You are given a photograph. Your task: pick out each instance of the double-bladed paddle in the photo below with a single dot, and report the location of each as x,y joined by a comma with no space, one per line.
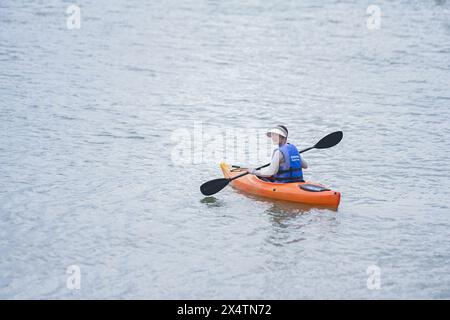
213,186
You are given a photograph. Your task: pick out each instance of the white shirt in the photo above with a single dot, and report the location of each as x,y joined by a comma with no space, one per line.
272,169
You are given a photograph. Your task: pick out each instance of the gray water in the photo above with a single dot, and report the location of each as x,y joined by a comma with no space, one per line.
88,116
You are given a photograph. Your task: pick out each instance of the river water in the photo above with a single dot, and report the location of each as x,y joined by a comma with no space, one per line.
94,204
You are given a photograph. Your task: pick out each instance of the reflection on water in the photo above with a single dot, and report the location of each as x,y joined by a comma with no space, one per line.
283,213
292,224
212,202
293,208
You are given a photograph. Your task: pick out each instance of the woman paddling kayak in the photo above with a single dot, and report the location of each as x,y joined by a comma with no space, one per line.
298,191
286,164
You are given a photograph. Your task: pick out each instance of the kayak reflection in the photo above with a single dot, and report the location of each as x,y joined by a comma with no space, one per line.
293,223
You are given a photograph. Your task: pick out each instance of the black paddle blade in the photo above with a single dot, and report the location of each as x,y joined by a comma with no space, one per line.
330,140
211,187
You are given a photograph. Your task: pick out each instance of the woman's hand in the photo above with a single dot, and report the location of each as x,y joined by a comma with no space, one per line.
304,164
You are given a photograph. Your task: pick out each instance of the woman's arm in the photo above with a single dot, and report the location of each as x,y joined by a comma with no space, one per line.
304,164
271,169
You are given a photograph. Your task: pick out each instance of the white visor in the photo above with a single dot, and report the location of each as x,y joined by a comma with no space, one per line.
277,130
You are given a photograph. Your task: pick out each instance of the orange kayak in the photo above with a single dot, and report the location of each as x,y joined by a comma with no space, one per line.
304,192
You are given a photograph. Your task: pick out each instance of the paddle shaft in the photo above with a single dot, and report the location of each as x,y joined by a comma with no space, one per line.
266,165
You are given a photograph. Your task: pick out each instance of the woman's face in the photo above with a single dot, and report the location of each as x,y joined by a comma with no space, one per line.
275,138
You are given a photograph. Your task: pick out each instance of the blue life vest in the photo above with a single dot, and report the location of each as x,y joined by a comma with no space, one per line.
291,169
